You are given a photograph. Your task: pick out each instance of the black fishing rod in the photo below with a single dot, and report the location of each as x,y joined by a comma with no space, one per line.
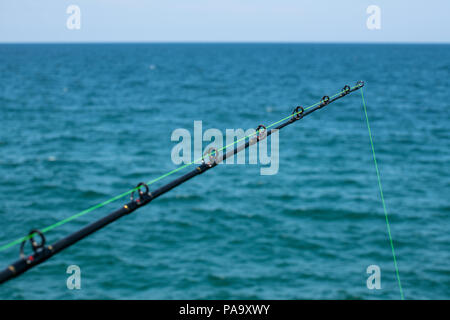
41,252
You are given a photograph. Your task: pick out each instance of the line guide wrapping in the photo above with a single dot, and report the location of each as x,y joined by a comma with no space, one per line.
42,252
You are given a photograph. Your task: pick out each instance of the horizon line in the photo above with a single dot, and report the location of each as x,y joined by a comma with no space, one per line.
230,42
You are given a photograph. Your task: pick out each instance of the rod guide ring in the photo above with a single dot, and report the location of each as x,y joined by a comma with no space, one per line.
261,134
325,101
139,190
298,113
346,89
35,245
212,158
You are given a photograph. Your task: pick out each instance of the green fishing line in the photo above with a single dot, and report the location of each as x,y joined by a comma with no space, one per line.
104,203
382,197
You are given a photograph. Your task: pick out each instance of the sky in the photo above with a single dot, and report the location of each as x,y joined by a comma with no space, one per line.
225,21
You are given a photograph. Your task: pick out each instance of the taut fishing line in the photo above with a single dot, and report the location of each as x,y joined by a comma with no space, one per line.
42,252
382,196
124,194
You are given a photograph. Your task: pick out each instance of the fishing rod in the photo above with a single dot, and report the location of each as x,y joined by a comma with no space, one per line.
42,252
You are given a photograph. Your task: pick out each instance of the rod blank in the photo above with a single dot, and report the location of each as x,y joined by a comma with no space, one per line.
43,253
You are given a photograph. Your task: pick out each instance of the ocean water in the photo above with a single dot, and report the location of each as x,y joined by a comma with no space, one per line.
82,123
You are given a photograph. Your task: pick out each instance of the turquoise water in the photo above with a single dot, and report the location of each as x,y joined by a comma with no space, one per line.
83,123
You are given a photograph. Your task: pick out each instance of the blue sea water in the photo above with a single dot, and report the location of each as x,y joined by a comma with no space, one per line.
82,123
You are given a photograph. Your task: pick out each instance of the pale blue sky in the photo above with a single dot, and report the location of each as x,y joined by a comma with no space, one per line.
225,20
